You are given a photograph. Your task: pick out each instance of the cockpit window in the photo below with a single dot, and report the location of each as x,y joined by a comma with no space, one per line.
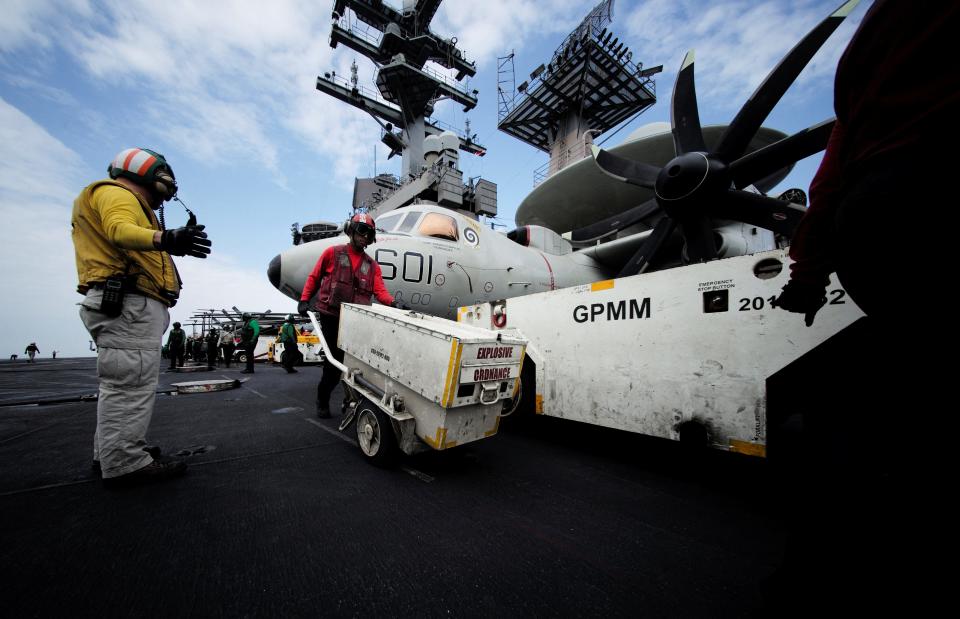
386,224
440,226
408,221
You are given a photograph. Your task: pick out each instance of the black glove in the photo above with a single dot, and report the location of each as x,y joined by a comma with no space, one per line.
397,303
802,298
186,241
302,308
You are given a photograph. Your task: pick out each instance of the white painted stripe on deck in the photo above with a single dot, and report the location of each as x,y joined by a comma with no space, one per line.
340,435
418,474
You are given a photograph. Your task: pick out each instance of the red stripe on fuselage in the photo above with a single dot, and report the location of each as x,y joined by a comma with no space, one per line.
553,281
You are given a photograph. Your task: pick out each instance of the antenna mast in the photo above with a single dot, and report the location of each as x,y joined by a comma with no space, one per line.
589,86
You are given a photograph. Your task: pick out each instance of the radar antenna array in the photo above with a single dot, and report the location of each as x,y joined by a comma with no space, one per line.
589,86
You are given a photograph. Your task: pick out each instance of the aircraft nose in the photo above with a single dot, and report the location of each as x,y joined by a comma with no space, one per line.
273,272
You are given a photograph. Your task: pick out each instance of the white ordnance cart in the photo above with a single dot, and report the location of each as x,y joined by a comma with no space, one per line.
415,382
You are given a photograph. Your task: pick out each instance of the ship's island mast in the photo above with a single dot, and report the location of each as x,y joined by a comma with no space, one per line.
400,43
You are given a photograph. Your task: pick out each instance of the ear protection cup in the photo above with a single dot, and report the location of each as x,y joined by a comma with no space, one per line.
350,225
165,185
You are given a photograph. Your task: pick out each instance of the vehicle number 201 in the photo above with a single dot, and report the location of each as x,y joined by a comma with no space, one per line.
834,297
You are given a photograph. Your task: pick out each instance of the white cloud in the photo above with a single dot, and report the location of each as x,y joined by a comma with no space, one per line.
36,165
45,91
224,82
37,185
236,79
38,182
22,18
219,282
737,44
490,29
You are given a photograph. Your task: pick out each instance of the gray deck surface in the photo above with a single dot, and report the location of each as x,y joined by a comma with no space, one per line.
280,516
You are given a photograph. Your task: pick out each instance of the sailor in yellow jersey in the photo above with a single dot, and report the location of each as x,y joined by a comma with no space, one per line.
129,282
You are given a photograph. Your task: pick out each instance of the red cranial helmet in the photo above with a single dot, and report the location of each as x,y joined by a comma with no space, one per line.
362,224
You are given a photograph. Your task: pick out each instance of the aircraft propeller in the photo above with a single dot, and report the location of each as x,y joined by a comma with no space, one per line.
698,185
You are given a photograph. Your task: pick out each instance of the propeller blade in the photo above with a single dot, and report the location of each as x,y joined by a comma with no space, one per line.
738,134
756,165
633,172
684,116
641,259
759,210
611,225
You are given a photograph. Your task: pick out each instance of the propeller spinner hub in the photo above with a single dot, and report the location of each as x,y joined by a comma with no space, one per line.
683,177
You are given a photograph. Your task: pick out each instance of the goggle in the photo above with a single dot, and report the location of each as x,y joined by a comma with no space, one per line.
363,229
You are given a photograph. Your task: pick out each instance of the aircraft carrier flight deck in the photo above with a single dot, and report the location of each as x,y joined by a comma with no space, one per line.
279,514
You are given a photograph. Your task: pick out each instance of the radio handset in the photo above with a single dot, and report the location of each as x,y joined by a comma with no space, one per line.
112,302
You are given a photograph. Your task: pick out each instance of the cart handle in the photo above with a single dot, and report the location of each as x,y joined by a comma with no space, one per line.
493,389
323,343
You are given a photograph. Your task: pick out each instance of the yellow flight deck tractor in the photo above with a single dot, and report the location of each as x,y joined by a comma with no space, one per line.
308,347
415,382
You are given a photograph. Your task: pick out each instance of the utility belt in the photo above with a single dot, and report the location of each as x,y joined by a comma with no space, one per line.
114,289
127,285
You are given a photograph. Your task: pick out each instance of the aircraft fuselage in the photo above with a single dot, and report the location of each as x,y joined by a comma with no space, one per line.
437,275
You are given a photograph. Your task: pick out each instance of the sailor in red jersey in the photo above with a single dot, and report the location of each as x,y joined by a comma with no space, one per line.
343,274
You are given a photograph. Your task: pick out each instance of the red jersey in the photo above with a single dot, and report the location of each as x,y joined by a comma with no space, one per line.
325,265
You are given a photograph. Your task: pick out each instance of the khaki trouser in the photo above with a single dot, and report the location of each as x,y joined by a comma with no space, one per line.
128,365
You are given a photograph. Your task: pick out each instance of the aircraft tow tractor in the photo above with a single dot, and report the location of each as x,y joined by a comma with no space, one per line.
693,354
415,382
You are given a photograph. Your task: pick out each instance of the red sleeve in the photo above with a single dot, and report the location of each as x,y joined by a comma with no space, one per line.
812,245
379,290
319,270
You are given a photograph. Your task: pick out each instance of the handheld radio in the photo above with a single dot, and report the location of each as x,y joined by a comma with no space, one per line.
112,302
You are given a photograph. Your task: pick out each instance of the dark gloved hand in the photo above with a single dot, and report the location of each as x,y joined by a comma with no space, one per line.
397,303
186,241
802,298
302,308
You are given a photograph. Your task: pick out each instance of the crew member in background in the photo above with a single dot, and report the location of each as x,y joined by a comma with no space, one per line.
196,344
227,345
176,344
31,351
129,281
343,274
249,335
213,340
288,337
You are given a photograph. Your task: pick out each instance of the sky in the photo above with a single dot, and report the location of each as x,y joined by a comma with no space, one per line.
227,92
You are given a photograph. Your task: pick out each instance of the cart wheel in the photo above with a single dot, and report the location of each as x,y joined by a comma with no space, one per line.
375,435
527,409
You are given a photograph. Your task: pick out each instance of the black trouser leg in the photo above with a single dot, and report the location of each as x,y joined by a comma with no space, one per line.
330,326
289,357
249,350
